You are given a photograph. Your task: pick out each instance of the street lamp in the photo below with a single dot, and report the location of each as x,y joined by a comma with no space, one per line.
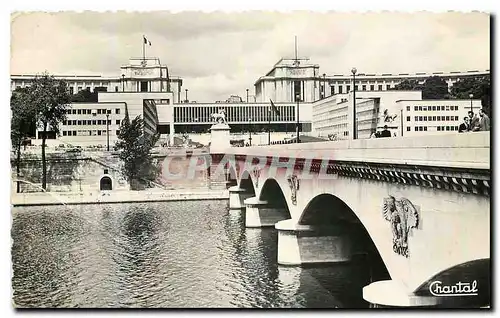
247,95
471,96
123,82
324,85
186,95
354,134
107,129
250,131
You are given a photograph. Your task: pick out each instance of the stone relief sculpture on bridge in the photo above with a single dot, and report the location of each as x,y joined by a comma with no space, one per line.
220,117
294,183
403,216
256,174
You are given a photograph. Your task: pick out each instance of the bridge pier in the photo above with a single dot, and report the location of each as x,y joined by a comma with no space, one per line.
260,214
306,244
237,197
390,293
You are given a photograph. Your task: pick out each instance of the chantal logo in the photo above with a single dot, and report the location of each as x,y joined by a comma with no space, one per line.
459,289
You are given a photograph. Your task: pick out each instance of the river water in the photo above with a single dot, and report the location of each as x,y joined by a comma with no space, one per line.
164,254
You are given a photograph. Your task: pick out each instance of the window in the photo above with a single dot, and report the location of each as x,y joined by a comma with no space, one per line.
116,88
332,90
79,112
416,128
363,87
117,132
407,118
447,117
117,121
74,122
388,87
340,89
79,122
117,111
439,118
448,108
416,108
420,118
433,108
434,118
420,108
98,121
89,122
64,132
372,87
408,108
380,87
109,111
98,133
439,128
456,118
447,128
416,118
348,88
106,171
103,111
94,122
74,132
424,108
109,121
425,118
71,89
356,87
408,128
98,111
425,128
73,111
144,86
64,122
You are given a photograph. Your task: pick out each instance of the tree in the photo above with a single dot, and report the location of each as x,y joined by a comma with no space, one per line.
435,88
22,124
135,147
479,87
50,99
408,85
85,96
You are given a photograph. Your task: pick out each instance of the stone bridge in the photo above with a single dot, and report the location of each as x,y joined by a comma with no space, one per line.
419,205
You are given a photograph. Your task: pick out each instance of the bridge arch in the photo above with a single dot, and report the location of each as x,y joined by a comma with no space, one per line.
330,214
272,193
246,183
475,272
231,177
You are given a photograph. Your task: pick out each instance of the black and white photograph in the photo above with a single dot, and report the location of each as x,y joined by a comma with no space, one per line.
250,159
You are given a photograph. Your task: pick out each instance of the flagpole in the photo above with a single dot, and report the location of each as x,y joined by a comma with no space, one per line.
297,97
269,129
143,48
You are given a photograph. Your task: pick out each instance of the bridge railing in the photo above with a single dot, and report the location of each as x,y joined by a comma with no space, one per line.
470,150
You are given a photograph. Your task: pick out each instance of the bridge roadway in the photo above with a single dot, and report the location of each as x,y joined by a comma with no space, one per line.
421,205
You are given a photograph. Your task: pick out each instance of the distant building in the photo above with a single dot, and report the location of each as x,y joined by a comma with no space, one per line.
146,88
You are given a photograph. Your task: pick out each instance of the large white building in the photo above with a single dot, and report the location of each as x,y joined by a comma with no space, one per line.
322,103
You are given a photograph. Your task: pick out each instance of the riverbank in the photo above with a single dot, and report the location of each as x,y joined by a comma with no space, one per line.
117,196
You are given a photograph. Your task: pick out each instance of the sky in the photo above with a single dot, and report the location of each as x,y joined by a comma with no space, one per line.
221,54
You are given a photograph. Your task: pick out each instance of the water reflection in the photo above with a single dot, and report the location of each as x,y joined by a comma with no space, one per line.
165,254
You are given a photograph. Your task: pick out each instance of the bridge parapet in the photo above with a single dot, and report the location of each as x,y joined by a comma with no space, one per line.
471,150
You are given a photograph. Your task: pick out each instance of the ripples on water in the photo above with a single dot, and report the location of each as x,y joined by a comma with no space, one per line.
164,254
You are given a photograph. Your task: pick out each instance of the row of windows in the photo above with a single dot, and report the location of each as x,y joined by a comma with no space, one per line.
234,114
89,122
363,88
439,128
433,118
432,108
86,132
89,111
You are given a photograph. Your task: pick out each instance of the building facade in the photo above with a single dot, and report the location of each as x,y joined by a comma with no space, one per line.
288,79
323,104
